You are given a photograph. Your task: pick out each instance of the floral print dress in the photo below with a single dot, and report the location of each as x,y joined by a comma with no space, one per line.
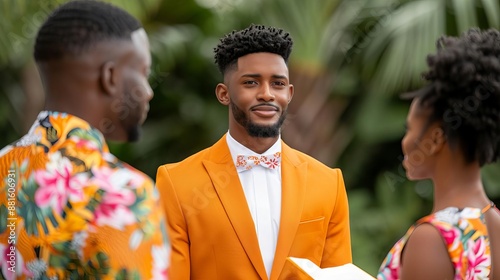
465,234
71,210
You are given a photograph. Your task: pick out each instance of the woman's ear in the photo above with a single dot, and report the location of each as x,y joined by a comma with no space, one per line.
108,79
438,139
222,94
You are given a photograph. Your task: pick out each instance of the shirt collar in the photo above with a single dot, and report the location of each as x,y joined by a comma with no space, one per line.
59,126
237,148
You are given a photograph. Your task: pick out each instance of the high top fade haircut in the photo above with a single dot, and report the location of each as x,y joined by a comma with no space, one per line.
76,26
463,93
253,39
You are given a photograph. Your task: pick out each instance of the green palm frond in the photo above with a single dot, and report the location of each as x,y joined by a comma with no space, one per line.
18,25
410,32
492,10
21,19
309,23
402,43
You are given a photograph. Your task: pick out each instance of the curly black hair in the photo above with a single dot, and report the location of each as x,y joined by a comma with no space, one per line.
255,38
463,92
77,25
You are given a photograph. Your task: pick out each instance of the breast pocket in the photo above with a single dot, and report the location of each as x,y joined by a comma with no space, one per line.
311,226
309,240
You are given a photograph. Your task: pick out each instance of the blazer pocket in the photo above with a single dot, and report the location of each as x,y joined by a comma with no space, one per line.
312,225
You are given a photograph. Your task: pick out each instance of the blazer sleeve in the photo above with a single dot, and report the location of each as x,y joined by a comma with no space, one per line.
176,226
337,249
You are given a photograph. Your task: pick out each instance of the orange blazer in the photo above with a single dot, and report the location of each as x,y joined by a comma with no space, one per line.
212,232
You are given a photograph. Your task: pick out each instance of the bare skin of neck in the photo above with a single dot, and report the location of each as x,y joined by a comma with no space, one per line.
71,92
457,183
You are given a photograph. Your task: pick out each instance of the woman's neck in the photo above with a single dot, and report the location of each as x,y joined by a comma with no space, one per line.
459,185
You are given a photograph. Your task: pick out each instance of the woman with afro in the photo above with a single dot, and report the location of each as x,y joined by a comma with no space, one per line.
453,129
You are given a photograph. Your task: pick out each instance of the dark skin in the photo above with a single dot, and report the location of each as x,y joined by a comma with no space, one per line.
259,86
457,183
94,85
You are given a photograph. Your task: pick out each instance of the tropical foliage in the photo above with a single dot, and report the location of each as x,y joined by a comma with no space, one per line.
351,60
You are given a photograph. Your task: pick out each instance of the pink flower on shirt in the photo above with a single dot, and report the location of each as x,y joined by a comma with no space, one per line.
114,208
161,255
451,237
12,262
57,184
478,260
391,271
82,143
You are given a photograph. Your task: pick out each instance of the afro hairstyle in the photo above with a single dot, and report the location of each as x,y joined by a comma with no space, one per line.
463,93
253,39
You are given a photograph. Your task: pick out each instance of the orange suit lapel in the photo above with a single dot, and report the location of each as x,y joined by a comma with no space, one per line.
293,182
220,168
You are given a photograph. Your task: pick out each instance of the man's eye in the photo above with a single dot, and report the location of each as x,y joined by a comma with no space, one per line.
250,82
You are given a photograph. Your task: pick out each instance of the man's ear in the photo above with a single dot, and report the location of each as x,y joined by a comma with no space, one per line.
222,93
108,78
291,89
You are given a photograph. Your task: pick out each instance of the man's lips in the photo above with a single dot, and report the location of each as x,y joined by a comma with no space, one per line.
265,110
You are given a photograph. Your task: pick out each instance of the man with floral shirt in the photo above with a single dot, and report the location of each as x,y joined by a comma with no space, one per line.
69,208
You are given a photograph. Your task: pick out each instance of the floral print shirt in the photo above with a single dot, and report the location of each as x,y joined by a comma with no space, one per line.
72,210
466,236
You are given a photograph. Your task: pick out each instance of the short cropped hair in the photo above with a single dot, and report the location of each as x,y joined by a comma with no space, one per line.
463,92
253,39
76,26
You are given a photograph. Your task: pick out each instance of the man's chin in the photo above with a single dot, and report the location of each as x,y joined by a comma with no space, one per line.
263,131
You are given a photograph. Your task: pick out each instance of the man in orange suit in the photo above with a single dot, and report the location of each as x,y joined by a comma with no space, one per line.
238,209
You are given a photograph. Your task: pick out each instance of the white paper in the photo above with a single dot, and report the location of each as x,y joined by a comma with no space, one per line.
344,272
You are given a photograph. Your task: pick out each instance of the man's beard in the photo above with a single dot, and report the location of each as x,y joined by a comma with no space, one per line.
131,116
256,130
134,133
131,123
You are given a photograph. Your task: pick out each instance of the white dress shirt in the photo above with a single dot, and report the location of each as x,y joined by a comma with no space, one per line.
262,187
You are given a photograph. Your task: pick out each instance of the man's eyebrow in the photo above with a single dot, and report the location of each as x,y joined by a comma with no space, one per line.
280,77
259,75
252,75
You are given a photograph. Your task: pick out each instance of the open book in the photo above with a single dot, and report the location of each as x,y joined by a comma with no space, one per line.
304,269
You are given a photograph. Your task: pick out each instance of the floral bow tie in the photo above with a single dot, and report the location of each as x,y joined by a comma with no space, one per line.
244,162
